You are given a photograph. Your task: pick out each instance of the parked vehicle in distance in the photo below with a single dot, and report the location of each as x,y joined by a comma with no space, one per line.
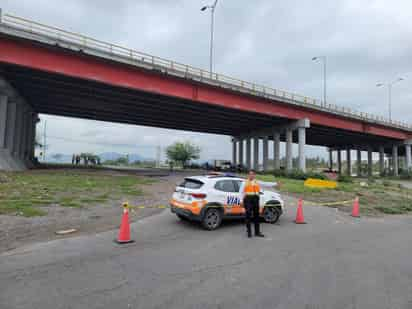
212,198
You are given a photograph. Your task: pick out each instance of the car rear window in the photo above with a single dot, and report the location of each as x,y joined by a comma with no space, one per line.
191,184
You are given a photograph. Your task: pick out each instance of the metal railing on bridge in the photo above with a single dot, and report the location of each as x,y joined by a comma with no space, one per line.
187,71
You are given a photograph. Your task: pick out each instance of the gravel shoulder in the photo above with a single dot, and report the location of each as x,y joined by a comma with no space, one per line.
16,231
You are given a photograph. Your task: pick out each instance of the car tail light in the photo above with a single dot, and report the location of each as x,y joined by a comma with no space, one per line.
198,195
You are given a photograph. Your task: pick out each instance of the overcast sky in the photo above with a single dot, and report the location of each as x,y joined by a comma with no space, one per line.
264,41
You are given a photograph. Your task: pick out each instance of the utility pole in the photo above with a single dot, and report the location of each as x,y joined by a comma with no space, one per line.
212,26
323,59
390,93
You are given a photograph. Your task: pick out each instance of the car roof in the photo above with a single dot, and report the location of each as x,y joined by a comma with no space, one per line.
208,178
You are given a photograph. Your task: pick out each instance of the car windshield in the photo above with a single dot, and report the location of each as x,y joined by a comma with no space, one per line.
189,183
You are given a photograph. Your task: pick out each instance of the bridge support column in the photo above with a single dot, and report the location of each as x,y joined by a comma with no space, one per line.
408,157
339,159
248,153
4,160
381,160
19,130
289,158
370,163
276,150
348,162
234,151
358,162
10,137
241,144
256,153
265,153
302,143
395,162
330,159
24,133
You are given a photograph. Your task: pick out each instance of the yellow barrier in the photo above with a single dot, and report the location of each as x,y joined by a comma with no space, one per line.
318,183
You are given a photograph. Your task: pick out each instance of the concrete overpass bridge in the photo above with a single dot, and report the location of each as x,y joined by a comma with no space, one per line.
48,70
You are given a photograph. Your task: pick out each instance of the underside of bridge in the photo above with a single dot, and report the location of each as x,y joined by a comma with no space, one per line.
54,94
50,79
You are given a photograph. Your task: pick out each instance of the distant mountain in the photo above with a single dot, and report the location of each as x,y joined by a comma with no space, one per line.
58,158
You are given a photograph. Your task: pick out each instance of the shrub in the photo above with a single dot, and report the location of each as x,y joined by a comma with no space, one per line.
344,178
297,174
405,174
386,183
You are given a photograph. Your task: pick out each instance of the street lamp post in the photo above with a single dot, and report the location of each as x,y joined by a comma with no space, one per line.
212,25
323,59
390,93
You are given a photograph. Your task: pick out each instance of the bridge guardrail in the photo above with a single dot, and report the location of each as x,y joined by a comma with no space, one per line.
190,71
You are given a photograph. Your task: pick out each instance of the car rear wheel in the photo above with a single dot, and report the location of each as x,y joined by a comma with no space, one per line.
182,217
212,219
271,214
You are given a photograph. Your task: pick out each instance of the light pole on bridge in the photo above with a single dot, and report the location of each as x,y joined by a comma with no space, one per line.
323,59
390,93
212,25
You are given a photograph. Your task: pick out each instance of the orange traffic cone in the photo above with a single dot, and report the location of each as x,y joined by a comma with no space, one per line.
355,208
299,213
124,232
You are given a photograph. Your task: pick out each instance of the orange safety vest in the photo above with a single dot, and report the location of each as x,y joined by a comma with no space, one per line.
251,187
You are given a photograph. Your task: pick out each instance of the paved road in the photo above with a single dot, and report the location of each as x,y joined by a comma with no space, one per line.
334,261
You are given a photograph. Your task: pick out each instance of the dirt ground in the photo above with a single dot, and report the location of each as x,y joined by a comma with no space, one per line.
16,231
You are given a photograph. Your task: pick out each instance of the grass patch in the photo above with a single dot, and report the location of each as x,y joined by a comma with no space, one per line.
376,197
24,193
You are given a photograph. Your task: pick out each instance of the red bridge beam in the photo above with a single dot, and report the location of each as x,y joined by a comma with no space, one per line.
76,65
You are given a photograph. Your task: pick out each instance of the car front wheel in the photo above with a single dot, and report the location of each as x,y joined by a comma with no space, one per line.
212,219
271,214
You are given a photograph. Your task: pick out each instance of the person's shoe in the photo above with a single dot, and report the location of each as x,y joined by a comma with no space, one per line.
259,235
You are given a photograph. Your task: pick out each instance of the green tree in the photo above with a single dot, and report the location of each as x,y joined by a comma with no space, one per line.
182,152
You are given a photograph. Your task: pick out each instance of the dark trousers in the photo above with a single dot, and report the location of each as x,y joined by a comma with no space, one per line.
251,204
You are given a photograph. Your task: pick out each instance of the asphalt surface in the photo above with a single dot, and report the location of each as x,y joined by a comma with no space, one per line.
334,261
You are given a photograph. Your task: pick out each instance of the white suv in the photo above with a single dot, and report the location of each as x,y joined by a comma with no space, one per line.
212,198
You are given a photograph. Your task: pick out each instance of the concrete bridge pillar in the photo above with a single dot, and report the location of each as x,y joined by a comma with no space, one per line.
4,161
358,162
19,130
339,159
348,162
370,163
408,157
256,153
276,150
24,133
289,158
395,165
234,151
248,153
265,153
3,120
241,144
381,160
330,159
302,143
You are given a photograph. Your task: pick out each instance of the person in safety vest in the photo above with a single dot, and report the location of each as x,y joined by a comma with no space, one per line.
251,192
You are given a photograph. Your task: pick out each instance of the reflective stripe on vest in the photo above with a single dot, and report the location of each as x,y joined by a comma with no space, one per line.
251,187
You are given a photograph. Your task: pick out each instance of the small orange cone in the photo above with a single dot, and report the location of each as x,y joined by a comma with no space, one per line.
124,232
299,213
355,208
